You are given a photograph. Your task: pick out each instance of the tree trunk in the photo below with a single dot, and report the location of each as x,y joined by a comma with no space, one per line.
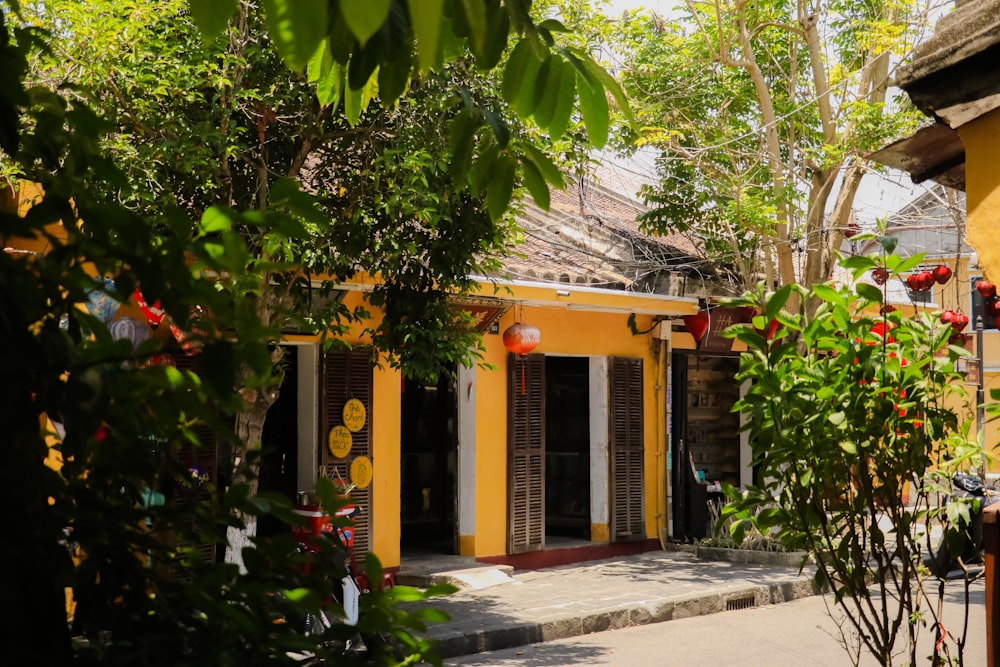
249,426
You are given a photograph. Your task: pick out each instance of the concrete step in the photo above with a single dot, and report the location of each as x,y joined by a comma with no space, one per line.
463,573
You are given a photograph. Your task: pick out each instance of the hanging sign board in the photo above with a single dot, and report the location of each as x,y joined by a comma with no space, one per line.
361,472
354,415
721,319
339,441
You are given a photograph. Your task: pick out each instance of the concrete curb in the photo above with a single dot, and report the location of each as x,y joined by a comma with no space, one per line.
514,634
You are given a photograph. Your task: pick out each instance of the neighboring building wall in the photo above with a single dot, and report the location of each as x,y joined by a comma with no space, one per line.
982,145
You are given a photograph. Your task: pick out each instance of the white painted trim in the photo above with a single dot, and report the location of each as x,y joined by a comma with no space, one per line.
600,469
466,491
746,452
308,416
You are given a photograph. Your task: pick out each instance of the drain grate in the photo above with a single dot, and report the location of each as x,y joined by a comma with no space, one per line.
735,604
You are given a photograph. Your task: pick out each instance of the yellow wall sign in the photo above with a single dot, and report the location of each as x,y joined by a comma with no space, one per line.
361,472
340,441
354,415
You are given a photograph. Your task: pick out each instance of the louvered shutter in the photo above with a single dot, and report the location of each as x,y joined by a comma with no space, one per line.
204,458
347,374
526,453
626,448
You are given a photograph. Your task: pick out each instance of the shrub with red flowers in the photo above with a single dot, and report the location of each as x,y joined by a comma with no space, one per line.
853,424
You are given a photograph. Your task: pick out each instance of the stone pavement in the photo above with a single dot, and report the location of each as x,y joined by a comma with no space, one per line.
573,600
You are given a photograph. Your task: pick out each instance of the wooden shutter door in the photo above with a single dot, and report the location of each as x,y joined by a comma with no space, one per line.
347,374
626,448
526,453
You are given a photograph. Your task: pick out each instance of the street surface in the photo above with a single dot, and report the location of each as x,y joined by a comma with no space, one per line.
794,634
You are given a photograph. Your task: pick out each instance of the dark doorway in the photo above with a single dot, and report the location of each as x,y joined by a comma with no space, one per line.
279,443
705,436
567,447
429,460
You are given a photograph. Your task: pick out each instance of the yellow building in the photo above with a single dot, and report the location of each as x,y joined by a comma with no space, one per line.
565,446
954,78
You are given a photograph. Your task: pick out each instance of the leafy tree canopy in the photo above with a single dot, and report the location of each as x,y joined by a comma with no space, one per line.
199,217
760,114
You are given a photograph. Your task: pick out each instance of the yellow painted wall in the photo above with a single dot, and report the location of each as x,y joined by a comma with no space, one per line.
386,437
981,138
563,332
982,188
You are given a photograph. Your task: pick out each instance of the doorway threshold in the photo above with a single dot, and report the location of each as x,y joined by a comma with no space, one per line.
579,552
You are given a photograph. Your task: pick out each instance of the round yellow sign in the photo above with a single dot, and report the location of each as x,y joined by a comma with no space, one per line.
354,415
340,441
361,472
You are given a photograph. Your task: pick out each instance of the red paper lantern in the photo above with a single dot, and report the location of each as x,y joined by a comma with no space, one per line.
697,325
853,229
941,273
521,338
880,275
986,288
926,279
959,321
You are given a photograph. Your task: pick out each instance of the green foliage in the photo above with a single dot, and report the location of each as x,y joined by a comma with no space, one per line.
756,135
846,410
237,181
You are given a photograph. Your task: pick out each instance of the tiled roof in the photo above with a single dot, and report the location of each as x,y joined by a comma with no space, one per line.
591,235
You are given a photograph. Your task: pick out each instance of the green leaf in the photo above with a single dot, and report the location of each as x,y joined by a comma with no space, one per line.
425,17
565,99
500,129
357,100
849,447
610,86
296,27
827,292
475,16
547,91
215,219
527,96
326,74
837,418
535,183
594,107
496,38
501,186
462,132
870,292
373,568
430,615
552,25
394,75
777,302
364,17
482,169
547,168
515,71
212,16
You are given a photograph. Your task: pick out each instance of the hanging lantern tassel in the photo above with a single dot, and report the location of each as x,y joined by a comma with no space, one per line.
521,339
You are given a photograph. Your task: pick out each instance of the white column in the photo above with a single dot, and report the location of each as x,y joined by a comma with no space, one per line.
308,416
466,506
746,453
600,468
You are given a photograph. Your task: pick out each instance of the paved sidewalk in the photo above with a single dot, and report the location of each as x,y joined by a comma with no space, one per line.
573,600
